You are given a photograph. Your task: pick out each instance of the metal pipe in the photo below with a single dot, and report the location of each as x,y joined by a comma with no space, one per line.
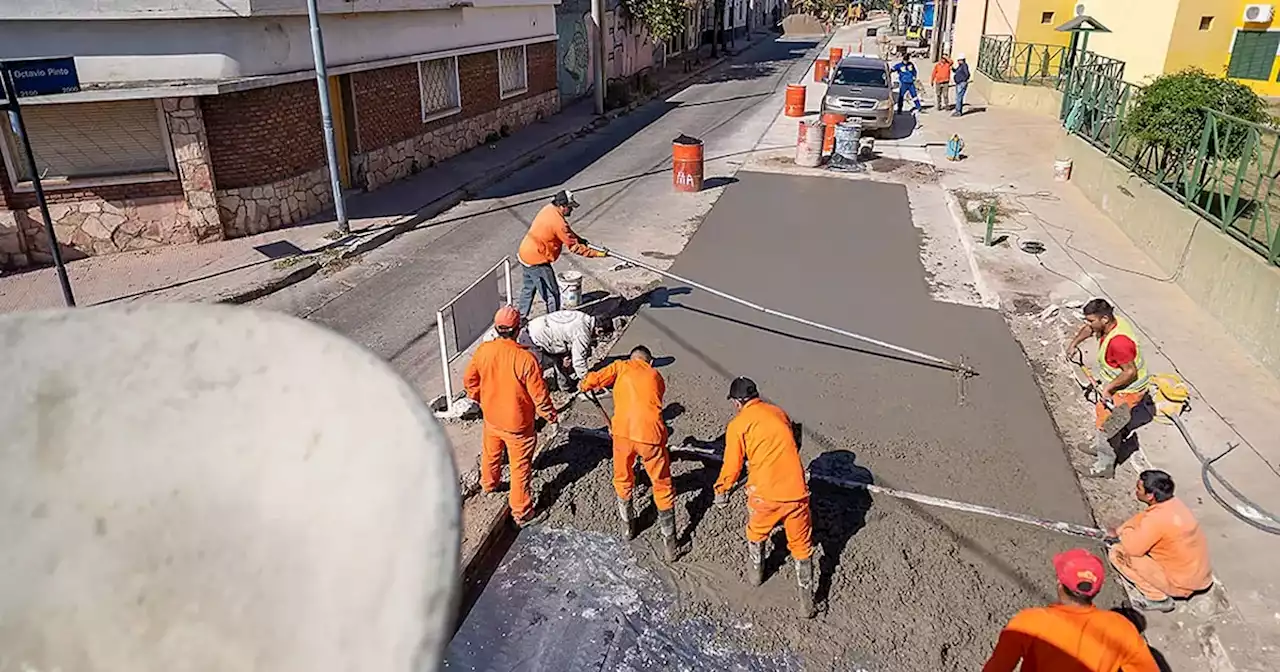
961,368
444,361
326,118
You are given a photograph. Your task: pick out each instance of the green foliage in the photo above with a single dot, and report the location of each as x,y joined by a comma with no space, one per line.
1169,113
661,18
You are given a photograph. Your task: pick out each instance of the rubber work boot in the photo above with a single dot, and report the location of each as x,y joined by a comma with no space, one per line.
1144,603
667,525
755,562
535,519
804,579
628,515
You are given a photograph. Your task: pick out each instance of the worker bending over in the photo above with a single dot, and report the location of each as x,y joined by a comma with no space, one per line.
541,247
1123,381
1072,634
567,334
1161,550
776,489
638,431
507,382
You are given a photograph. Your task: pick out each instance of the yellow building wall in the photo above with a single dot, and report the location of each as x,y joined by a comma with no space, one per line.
1001,18
1030,21
1140,34
1205,49
1270,87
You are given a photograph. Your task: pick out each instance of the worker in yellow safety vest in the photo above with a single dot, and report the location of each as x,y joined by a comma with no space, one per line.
1122,384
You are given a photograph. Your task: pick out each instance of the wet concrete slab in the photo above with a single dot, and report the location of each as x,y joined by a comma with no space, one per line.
902,586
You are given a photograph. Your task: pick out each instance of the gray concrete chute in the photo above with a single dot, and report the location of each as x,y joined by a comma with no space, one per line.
960,368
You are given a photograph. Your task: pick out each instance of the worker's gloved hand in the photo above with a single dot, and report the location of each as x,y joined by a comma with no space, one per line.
722,500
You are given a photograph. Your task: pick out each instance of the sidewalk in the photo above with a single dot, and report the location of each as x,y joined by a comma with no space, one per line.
244,269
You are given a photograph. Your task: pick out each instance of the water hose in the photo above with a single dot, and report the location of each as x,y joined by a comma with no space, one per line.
1207,470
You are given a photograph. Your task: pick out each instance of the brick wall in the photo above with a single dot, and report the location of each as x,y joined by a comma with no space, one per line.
17,200
389,105
264,135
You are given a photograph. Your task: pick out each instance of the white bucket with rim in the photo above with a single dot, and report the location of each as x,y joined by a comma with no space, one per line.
1062,170
570,289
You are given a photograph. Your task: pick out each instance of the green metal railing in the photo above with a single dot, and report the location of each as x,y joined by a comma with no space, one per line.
1226,172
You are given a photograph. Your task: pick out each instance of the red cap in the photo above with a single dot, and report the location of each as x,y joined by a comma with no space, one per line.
507,317
1079,570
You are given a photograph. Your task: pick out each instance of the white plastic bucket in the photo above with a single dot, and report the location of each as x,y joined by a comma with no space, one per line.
809,143
570,289
1062,170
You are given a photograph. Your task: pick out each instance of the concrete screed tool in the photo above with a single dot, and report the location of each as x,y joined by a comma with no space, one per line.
962,370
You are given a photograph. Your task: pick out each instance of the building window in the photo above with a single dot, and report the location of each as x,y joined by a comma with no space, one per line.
76,143
1046,17
1252,54
1206,23
438,81
513,72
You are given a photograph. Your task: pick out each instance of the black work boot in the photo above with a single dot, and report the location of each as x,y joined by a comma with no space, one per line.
804,579
755,562
667,525
628,515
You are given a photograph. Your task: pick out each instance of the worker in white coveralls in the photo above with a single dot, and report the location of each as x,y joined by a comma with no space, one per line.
562,342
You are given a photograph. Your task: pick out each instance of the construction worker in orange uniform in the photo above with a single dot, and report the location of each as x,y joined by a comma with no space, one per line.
1072,634
761,433
638,430
507,382
548,235
1124,381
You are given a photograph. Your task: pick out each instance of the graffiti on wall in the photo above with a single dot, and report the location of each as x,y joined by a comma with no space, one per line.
628,48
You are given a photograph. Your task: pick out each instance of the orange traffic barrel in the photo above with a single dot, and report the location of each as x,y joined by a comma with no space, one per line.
836,54
830,120
795,100
686,163
809,143
820,68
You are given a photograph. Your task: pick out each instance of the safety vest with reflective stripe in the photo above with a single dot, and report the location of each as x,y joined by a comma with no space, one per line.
1123,328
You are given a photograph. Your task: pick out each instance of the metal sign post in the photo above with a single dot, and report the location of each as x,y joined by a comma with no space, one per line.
36,77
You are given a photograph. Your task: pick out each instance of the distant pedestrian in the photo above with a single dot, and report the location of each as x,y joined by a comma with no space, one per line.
961,76
1072,634
907,76
941,81
1161,550
541,247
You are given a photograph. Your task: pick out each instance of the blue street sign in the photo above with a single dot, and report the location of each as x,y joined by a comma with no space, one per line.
43,76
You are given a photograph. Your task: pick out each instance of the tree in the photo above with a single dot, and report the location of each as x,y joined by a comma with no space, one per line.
660,18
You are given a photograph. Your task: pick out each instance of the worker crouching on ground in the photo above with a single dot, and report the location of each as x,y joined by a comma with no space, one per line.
1072,634
547,237
1161,550
1122,386
567,334
638,431
505,378
761,433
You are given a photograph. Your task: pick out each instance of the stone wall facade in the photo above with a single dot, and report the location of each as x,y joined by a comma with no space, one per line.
250,210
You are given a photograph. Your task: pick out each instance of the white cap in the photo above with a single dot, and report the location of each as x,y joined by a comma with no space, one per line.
959,57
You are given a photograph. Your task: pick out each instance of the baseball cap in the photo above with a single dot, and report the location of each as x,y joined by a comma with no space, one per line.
743,388
564,197
1079,570
507,317
960,56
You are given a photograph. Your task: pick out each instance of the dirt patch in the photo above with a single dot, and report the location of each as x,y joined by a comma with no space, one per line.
914,171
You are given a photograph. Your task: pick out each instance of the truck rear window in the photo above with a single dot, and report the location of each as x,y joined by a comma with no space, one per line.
855,76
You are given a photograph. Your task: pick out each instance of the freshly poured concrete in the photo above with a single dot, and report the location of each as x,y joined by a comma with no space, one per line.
903,586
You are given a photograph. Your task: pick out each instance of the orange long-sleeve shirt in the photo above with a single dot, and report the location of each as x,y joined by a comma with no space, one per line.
1071,638
761,433
506,380
637,399
547,236
1169,533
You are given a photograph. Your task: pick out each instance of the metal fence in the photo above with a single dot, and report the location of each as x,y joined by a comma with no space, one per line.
1225,170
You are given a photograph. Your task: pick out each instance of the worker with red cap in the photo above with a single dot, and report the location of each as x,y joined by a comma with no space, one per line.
506,380
548,235
1072,634
762,434
638,431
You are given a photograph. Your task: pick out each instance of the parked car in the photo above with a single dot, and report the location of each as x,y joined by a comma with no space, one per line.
862,86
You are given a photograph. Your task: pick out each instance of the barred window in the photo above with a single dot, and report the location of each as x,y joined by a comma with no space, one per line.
438,81
513,74
79,141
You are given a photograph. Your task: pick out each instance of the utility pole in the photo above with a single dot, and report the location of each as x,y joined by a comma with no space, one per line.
326,119
941,17
597,53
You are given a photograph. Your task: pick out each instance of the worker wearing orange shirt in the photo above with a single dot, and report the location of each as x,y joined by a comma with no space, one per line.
1124,381
547,237
1161,550
638,430
761,433
506,380
1072,634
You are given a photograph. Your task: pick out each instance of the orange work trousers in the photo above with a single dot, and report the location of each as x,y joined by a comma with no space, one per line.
657,463
794,516
519,450
1130,399
1146,574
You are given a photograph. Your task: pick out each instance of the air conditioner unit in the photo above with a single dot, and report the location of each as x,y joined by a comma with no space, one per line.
1258,13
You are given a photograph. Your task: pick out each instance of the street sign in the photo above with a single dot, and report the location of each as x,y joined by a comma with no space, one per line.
43,76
